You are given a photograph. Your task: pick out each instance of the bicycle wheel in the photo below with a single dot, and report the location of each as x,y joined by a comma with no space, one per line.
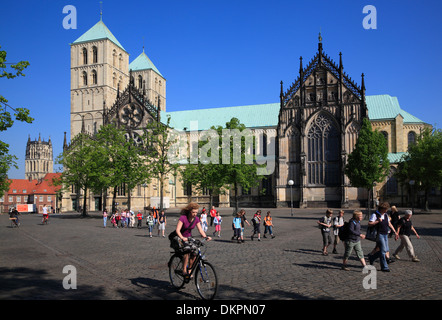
206,281
176,271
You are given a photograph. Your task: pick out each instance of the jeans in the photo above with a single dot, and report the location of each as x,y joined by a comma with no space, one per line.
383,249
104,221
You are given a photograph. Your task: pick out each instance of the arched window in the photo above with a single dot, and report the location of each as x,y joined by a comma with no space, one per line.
140,82
323,152
84,78
411,138
114,80
94,54
114,58
94,77
84,56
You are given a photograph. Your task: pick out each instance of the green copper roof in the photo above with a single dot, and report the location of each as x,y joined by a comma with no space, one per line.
396,157
252,116
97,32
386,107
266,115
142,62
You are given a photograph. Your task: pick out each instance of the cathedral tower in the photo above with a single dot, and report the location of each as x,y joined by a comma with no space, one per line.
39,159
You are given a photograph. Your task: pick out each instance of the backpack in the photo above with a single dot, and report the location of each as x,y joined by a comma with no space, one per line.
344,231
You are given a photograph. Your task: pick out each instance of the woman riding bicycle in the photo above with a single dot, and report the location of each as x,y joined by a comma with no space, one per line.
186,224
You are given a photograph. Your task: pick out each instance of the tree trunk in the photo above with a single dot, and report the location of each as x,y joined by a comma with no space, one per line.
84,213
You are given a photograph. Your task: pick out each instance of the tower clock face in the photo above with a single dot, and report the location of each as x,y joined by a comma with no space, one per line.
131,115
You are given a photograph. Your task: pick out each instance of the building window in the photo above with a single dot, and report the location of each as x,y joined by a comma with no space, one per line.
94,54
411,138
323,152
391,187
84,56
84,76
187,189
140,82
94,77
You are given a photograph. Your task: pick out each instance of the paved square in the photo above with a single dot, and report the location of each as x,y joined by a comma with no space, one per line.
126,264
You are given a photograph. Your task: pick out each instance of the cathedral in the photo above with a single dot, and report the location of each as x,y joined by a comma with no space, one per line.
308,133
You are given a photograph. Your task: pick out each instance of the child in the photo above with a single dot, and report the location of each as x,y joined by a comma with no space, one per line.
150,221
257,225
268,225
237,227
217,220
203,219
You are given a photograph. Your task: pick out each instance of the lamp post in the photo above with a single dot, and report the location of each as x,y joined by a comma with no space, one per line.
144,185
291,183
411,182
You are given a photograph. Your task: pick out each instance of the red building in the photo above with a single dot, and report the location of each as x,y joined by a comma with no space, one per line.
37,192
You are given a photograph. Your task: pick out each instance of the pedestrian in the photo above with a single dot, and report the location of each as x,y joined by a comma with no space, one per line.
114,220
405,227
237,228
131,218
354,240
268,225
155,216
161,223
256,225
217,221
150,221
394,218
140,219
104,217
203,218
338,223
243,222
325,224
212,215
381,220
123,218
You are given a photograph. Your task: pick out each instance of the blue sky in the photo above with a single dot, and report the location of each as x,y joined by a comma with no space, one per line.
218,53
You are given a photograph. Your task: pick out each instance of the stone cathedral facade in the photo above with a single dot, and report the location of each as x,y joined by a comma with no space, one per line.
309,133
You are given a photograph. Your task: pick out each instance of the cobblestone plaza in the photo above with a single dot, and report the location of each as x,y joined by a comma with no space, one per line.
125,264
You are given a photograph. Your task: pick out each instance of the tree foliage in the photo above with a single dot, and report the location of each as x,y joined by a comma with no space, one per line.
368,163
7,120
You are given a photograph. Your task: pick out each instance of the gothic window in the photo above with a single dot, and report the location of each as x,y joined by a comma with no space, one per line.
94,77
323,152
114,58
94,54
84,78
84,56
411,138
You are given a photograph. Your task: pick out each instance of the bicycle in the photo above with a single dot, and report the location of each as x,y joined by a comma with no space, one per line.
45,219
14,223
206,280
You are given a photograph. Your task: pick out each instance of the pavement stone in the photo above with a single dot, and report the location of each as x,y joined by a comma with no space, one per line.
125,264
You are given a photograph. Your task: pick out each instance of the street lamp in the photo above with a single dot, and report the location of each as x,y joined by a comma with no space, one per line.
411,182
144,185
291,183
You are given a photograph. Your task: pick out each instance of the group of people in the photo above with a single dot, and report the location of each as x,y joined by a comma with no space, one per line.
240,220
383,223
127,218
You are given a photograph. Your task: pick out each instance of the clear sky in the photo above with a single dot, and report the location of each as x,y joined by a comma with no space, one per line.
219,53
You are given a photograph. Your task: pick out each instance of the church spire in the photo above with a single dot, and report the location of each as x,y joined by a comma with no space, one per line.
101,10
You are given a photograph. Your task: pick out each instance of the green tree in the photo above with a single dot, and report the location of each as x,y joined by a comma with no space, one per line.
82,164
238,166
125,161
368,163
423,164
157,141
6,119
